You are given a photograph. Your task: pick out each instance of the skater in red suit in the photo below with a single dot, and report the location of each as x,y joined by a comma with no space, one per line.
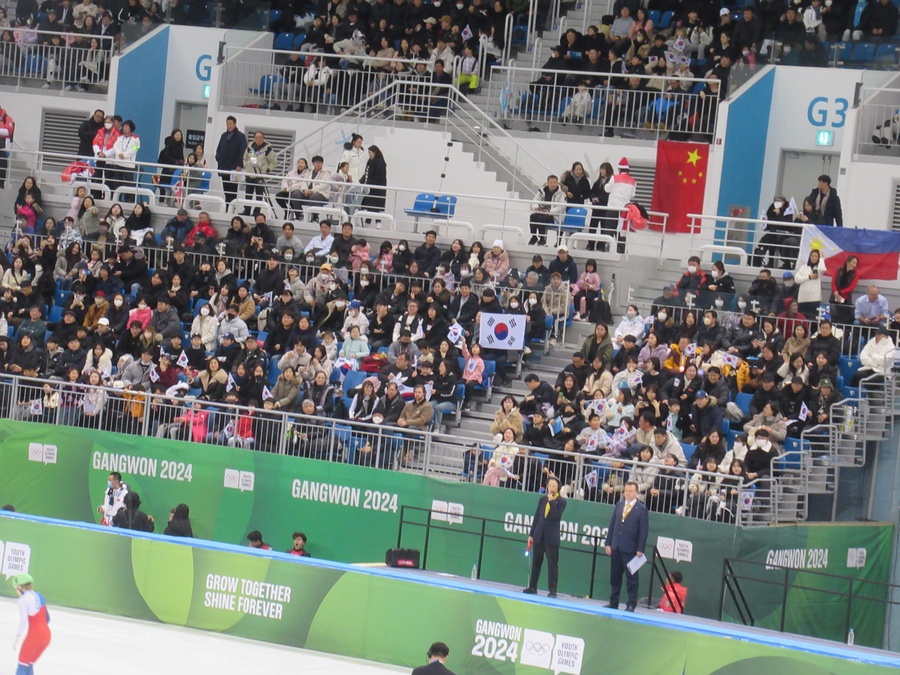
34,624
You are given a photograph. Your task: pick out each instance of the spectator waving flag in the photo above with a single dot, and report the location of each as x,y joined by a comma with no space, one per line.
467,33
592,479
878,250
154,375
502,331
36,407
791,209
455,333
182,360
691,349
266,393
732,360
231,383
804,411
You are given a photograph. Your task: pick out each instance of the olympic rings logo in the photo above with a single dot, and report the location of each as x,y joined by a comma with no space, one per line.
537,647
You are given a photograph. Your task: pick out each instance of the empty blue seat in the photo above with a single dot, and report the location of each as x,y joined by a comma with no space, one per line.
424,205
863,52
665,20
654,15
284,41
885,54
353,379
849,365
575,219
446,205
742,401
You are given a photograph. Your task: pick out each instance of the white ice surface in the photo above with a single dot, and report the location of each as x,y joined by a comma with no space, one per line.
88,643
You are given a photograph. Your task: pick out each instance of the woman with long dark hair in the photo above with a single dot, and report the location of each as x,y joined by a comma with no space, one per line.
842,285
600,197
375,177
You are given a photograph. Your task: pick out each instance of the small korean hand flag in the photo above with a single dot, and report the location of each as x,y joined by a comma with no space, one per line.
182,360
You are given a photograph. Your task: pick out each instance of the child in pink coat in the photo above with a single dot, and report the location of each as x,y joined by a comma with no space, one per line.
360,254
586,290
473,372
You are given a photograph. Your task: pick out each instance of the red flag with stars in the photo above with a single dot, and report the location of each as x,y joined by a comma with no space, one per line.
680,182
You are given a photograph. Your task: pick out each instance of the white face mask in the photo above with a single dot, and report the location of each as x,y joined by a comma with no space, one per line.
514,304
692,269
779,204
716,274
764,445
288,256
204,311
401,247
661,316
719,303
463,271
331,287
532,301
108,125
630,314
742,304
788,283
364,283
117,303
340,303
310,258
334,259
363,270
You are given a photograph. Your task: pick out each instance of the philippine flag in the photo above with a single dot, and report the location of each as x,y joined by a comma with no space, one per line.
878,250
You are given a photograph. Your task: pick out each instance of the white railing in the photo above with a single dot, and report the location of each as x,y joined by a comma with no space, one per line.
878,127
60,60
518,95
473,212
323,83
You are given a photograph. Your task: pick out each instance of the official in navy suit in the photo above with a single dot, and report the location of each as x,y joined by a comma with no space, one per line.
544,538
626,538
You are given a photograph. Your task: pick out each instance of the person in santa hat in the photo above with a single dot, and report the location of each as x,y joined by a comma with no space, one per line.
621,189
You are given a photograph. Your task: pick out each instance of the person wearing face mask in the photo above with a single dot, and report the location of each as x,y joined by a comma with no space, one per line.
206,326
711,332
113,498
233,326
721,287
768,252
760,455
694,281
631,324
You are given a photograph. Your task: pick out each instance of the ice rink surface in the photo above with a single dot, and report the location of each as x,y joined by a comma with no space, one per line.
87,643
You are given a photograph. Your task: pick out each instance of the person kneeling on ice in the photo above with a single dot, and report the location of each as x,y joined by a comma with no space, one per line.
34,623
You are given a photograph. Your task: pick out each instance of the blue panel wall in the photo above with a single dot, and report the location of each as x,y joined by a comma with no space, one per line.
140,90
745,146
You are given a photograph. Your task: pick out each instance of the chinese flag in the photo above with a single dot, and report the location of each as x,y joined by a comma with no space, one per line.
680,182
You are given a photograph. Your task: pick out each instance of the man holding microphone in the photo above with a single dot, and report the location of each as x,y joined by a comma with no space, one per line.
544,538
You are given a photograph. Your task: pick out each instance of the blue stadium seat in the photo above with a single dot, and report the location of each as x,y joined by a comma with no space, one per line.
742,401
863,53
284,42
666,20
885,54
353,379
575,219
446,205
424,205
654,15
849,365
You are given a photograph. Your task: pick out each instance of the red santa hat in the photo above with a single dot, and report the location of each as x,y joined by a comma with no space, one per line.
623,164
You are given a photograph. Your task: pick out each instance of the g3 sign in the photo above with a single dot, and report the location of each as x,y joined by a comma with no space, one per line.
826,112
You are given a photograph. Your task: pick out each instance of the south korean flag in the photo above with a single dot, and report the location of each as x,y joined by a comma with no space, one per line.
503,331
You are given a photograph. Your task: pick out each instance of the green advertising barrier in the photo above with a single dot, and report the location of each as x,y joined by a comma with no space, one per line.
352,514
384,615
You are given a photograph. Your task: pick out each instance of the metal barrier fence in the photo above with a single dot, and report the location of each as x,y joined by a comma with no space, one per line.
624,104
62,60
323,82
493,217
678,490
748,242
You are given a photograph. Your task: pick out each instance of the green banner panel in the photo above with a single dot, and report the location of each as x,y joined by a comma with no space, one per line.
382,615
352,514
